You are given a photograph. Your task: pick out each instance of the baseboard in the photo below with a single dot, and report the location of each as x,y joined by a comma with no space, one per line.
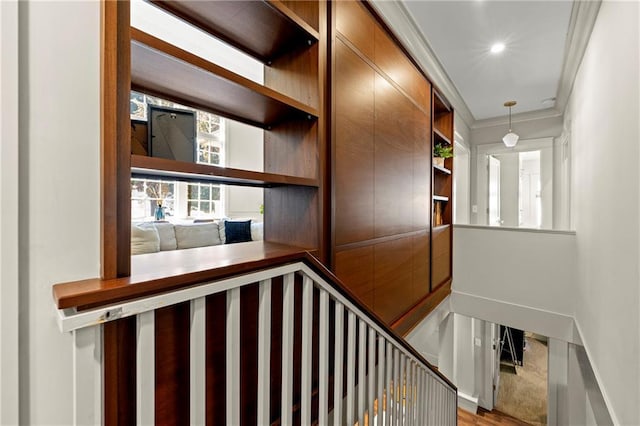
467,402
547,323
605,405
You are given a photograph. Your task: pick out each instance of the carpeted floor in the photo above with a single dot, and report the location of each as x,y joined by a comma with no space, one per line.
524,396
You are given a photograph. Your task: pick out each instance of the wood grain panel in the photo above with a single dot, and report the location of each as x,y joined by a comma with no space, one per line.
420,266
355,269
291,148
422,170
393,62
441,255
296,75
120,372
261,29
172,364
355,23
307,10
392,278
291,216
216,362
354,147
115,142
420,310
394,146
249,354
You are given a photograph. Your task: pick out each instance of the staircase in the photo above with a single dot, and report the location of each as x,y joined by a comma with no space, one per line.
281,344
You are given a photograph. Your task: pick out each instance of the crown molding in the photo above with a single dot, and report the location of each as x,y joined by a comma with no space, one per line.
517,118
403,26
583,18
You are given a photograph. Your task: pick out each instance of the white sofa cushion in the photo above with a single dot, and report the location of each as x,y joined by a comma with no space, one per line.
144,239
257,231
197,235
167,236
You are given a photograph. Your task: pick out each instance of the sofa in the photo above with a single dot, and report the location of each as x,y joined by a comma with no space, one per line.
152,237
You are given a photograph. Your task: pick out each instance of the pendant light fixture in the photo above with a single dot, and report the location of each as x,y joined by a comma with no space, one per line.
510,139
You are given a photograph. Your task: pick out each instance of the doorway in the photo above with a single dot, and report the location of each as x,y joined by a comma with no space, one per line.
515,185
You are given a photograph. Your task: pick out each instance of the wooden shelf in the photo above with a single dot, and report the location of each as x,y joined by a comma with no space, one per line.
443,170
440,198
440,228
143,166
440,137
262,29
161,69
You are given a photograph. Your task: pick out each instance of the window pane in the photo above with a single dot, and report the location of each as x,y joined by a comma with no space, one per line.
204,192
215,193
205,207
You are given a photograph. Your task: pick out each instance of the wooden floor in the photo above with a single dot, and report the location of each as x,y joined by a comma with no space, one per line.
486,418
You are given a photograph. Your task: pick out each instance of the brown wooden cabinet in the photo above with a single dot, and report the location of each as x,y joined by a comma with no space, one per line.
386,118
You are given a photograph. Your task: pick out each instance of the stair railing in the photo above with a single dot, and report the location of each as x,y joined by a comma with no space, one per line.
352,369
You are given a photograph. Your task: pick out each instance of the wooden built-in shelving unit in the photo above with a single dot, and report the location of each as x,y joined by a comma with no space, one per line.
288,106
442,184
161,69
144,166
265,30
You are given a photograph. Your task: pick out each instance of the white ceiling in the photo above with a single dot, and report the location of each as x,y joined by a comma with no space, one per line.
528,70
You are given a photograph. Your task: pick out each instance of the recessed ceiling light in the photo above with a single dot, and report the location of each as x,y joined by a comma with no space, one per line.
497,47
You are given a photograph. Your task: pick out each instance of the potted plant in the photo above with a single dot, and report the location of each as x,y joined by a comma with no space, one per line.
440,152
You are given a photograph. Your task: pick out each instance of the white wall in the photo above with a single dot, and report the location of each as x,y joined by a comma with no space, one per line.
521,278
59,125
9,214
604,111
244,149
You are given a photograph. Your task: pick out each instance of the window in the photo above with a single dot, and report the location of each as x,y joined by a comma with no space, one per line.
204,200
179,199
147,194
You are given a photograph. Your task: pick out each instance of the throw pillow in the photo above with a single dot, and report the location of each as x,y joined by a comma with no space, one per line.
237,232
200,235
144,240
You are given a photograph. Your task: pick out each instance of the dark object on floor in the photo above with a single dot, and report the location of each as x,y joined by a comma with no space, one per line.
518,344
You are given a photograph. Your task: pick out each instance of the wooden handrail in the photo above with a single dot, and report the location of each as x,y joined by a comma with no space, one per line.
162,272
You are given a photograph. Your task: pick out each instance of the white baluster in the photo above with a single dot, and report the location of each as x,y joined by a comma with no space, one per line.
145,368
381,379
87,376
197,362
395,412
351,362
288,302
233,356
362,357
402,406
338,363
389,385
409,394
307,341
323,360
264,352
371,392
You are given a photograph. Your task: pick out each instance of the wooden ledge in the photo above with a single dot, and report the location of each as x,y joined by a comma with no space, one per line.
160,272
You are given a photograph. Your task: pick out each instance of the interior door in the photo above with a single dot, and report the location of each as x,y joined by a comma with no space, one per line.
494,191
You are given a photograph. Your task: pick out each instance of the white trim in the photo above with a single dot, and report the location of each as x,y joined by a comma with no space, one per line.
232,372
288,307
596,374
581,23
69,319
547,323
264,352
468,402
87,376
9,214
507,228
522,117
